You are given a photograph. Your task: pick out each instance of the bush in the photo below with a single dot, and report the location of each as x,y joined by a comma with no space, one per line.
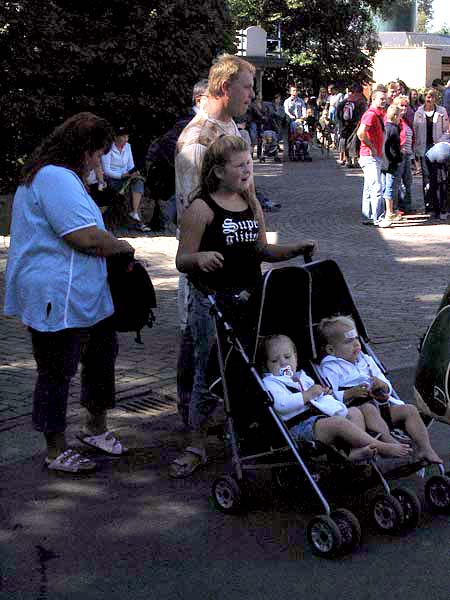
133,63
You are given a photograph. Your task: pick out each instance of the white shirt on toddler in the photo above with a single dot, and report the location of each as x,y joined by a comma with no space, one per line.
289,403
341,373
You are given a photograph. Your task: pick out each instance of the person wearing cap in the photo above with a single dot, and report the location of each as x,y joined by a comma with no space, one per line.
120,171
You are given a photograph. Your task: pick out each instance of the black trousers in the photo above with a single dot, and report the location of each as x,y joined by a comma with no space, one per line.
57,356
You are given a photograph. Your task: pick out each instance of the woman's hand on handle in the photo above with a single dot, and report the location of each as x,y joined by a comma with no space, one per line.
308,250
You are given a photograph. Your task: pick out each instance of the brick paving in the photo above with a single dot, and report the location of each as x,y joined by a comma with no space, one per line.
396,275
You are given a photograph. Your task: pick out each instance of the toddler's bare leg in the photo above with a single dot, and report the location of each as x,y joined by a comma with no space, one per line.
356,417
330,429
409,417
375,422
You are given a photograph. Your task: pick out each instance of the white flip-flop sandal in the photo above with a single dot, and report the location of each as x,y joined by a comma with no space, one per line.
106,442
70,461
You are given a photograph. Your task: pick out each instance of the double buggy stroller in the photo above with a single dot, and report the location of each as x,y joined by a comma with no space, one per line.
292,301
299,141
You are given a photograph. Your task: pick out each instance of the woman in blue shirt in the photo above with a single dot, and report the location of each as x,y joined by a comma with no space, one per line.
56,282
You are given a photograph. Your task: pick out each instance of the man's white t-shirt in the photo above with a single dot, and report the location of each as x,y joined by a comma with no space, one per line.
192,144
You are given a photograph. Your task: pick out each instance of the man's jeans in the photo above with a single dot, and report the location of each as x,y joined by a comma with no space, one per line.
389,185
372,199
201,327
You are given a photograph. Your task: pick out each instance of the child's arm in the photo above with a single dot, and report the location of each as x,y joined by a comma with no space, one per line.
285,401
193,225
277,252
314,392
379,389
358,391
378,377
333,379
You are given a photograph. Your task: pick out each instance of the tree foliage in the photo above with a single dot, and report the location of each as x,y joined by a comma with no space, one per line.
132,62
424,14
323,41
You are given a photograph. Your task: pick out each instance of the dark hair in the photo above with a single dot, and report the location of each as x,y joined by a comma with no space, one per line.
68,143
122,130
403,84
419,97
356,88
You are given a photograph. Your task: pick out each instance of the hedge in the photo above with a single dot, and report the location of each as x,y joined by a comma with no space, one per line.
132,62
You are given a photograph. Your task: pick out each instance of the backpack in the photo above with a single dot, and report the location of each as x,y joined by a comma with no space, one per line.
132,293
160,161
348,111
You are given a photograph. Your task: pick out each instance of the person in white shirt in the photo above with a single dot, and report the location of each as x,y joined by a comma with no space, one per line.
119,169
334,97
308,410
57,284
353,374
294,106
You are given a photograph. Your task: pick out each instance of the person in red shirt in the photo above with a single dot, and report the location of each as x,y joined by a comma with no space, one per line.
371,136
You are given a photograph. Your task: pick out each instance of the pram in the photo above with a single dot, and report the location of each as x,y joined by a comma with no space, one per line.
259,439
269,146
299,141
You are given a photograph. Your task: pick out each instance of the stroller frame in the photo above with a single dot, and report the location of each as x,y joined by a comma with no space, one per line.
336,531
237,461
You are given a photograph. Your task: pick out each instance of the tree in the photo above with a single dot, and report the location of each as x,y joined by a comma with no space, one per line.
323,41
444,30
131,62
424,14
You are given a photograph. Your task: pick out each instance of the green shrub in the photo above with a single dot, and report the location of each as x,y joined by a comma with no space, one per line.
132,62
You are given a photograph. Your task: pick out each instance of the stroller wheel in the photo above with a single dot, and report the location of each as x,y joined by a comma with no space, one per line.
411,505
227,495
324,536
387,514
437,493
349,527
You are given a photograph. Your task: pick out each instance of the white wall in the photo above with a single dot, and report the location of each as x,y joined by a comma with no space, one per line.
417,67
434,64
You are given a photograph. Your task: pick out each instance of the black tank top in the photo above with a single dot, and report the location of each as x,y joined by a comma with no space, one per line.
235,236
429,141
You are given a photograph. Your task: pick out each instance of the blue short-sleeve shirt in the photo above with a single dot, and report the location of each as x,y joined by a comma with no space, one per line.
49,284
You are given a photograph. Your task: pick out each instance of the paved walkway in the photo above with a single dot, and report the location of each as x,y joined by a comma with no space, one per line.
396,275
130,531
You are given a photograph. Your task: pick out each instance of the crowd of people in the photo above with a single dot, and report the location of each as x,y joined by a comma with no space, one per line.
56,278
395,133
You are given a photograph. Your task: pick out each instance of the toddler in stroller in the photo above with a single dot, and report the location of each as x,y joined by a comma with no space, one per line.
273,425
299,141
355,377
269,147
308,410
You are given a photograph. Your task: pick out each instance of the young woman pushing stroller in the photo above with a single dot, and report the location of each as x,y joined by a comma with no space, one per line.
222,242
